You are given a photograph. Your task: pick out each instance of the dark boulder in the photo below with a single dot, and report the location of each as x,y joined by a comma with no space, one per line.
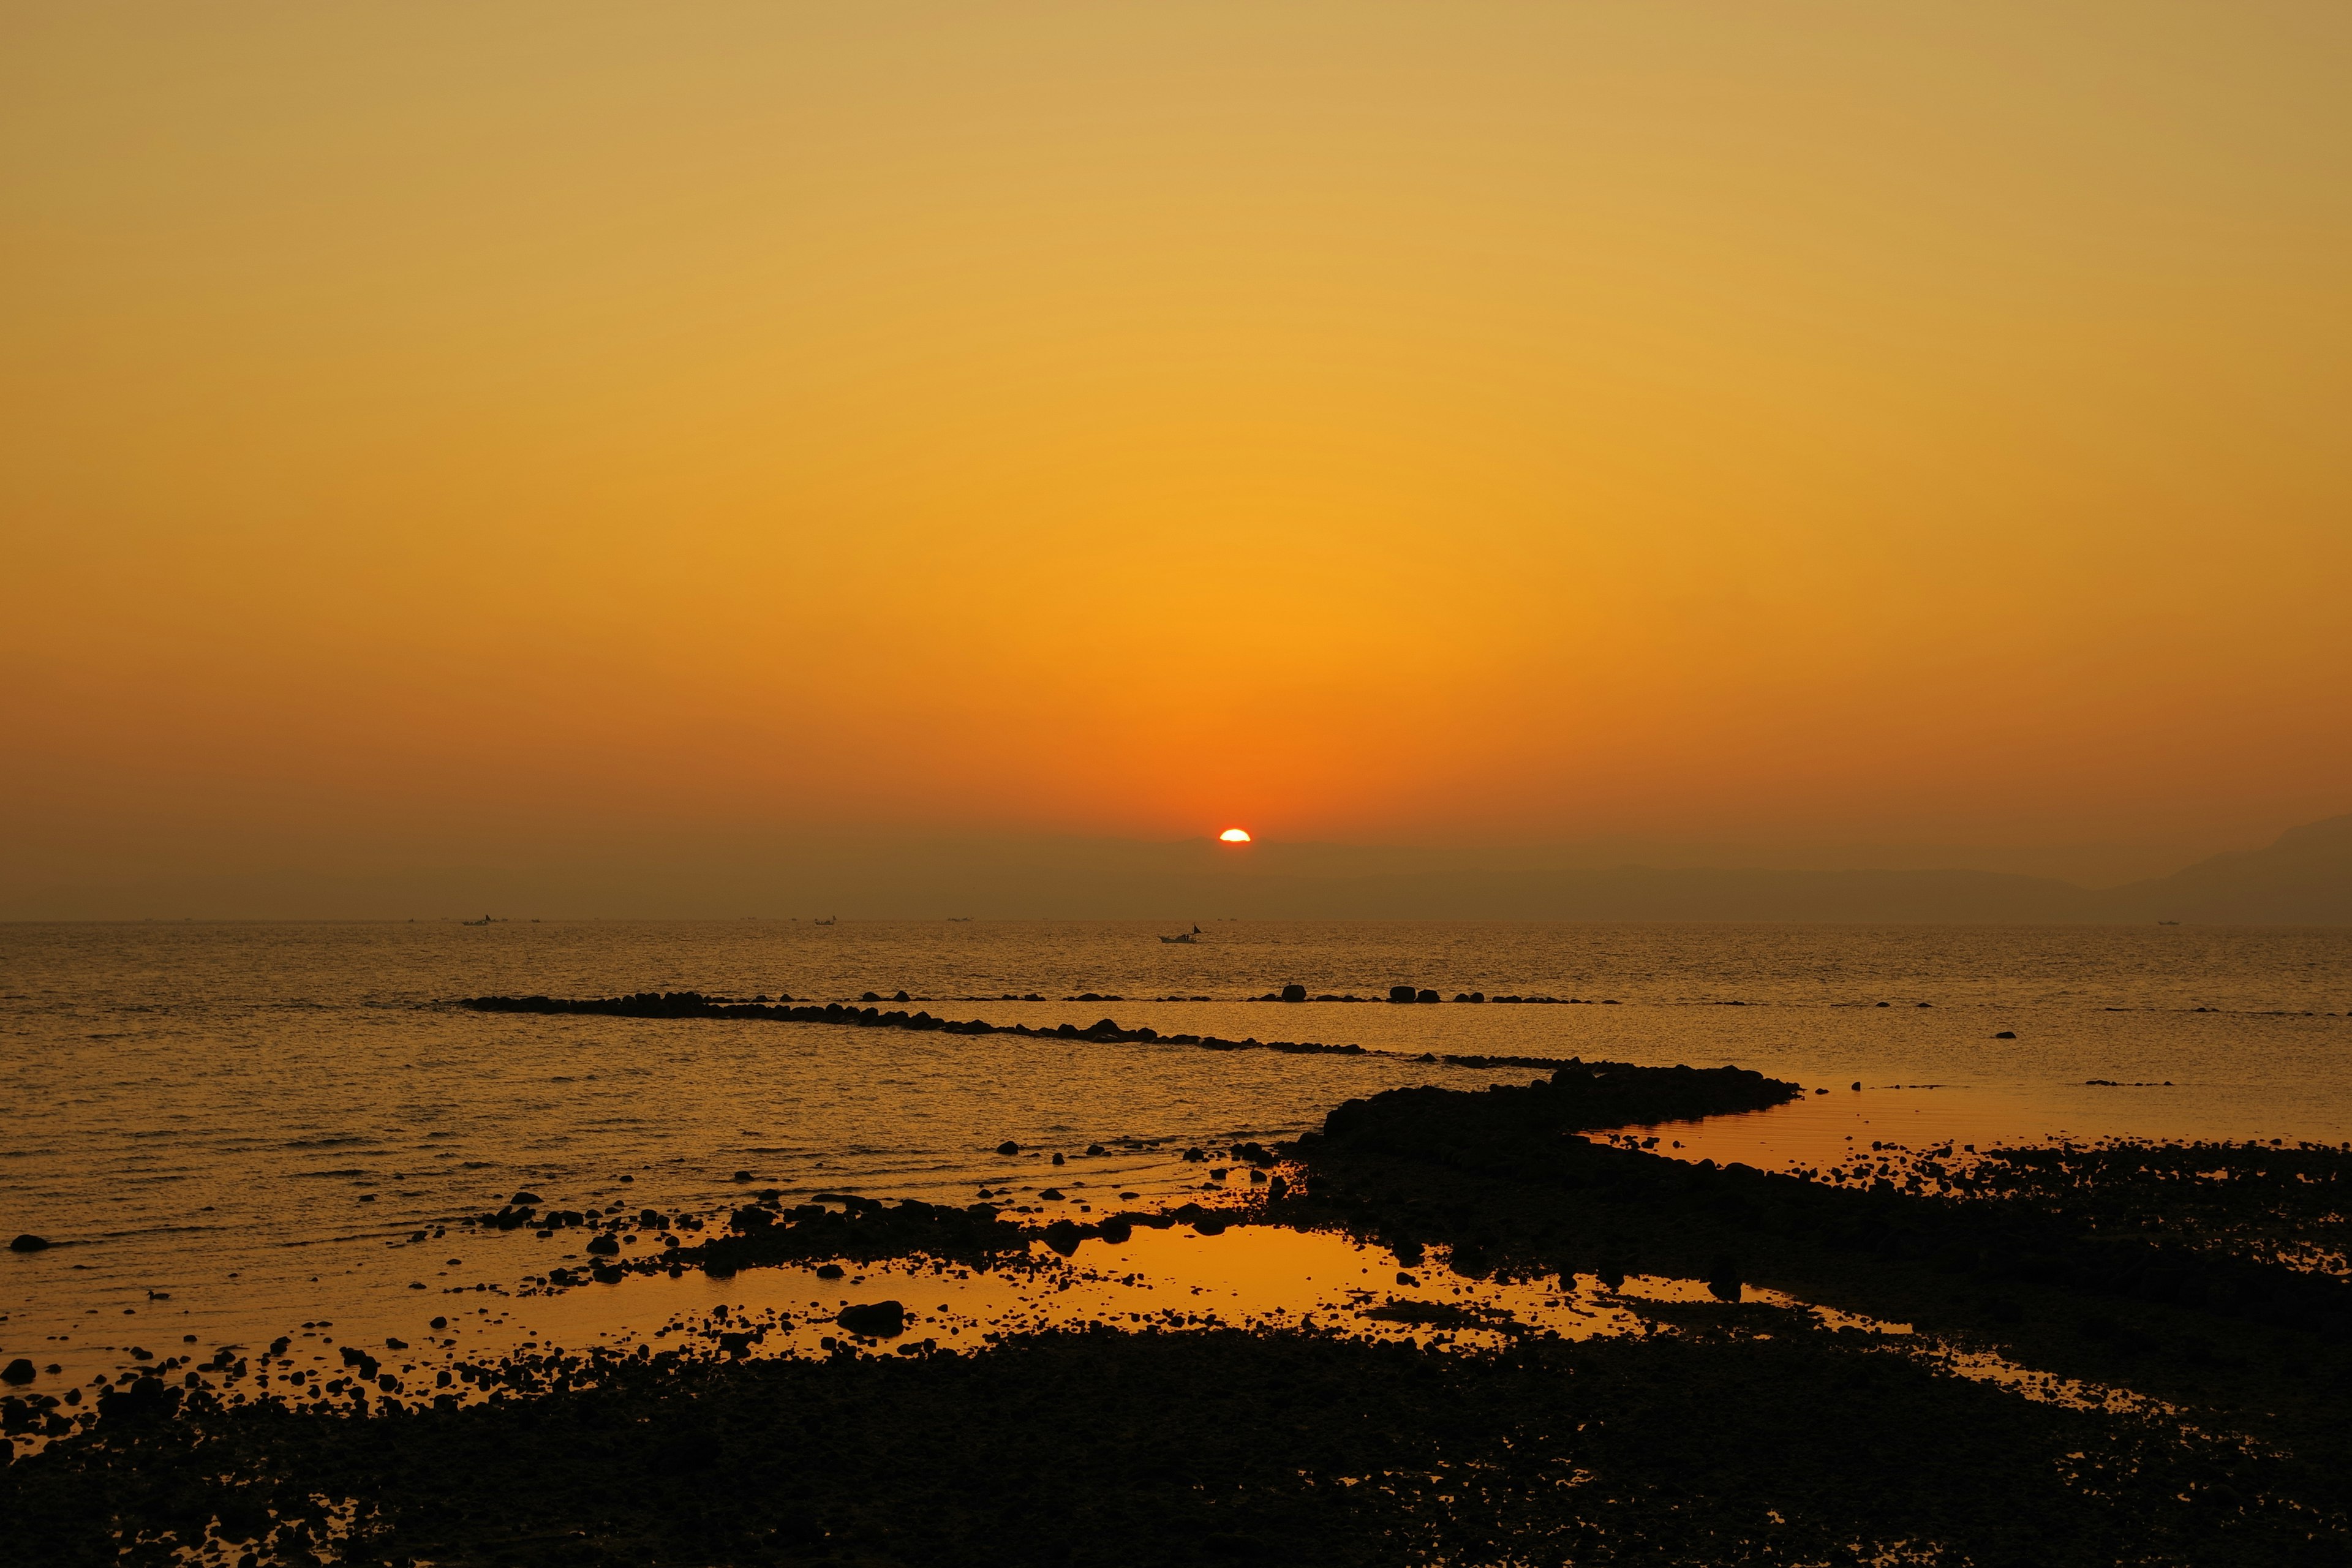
1428,996
19,1370
829,1272
1403,993
1293,992
604,1247
1723,1279
1063,1236
137,1396
28,1242
874,1319
1008,1147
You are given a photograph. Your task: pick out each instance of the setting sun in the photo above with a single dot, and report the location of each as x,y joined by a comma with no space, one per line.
1234,835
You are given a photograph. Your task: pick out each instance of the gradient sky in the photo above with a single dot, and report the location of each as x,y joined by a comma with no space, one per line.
494,430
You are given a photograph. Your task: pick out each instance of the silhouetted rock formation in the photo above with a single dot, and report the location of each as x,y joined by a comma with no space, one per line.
1104,1031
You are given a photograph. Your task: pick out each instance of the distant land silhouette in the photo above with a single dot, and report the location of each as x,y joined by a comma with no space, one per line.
2303,879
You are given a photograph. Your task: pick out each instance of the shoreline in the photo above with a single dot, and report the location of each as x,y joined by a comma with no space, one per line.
1476,1193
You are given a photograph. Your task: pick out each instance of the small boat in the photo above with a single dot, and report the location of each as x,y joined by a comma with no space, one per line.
827,921
483,921
1190,939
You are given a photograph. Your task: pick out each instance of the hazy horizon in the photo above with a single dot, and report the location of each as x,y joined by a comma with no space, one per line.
870,877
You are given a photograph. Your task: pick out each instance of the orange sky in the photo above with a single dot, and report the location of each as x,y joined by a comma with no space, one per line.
457,429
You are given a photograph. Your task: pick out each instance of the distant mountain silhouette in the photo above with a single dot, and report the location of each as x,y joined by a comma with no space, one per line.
2304,878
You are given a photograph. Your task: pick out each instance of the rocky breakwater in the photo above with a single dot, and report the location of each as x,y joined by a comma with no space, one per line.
1102,1031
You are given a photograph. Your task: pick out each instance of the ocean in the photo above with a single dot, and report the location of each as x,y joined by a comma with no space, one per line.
229,1127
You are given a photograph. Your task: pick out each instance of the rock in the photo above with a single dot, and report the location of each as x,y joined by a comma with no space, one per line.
829,1272
278,1346
1196,1156
1062,1236
1723,1280
1857,1083
742,1175
18,1372
522,1199
1405,1279
137,1396
1008,1147
2005,1035
1293,992
1403,993
392,1344
1277,1190
1428,996
28,1242
1051,1195
1058,1159
607,1274
874,1319
1115,1230
1095,1150
604,1245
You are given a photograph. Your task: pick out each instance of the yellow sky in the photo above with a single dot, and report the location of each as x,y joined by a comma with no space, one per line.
438,423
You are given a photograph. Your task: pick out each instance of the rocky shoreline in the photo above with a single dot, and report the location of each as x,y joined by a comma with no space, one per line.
1735,1431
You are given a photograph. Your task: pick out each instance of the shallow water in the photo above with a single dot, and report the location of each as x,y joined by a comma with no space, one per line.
232,1126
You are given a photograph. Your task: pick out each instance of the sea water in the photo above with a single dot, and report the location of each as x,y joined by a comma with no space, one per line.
227,1128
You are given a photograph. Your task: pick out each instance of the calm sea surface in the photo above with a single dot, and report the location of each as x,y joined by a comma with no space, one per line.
232,1124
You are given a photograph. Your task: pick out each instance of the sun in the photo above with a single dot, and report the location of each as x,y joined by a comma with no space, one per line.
1234,835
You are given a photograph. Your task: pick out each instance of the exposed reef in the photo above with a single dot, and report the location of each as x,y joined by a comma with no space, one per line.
1106,1031
2211,1281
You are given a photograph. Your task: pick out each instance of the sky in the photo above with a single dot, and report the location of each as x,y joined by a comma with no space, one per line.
550,434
